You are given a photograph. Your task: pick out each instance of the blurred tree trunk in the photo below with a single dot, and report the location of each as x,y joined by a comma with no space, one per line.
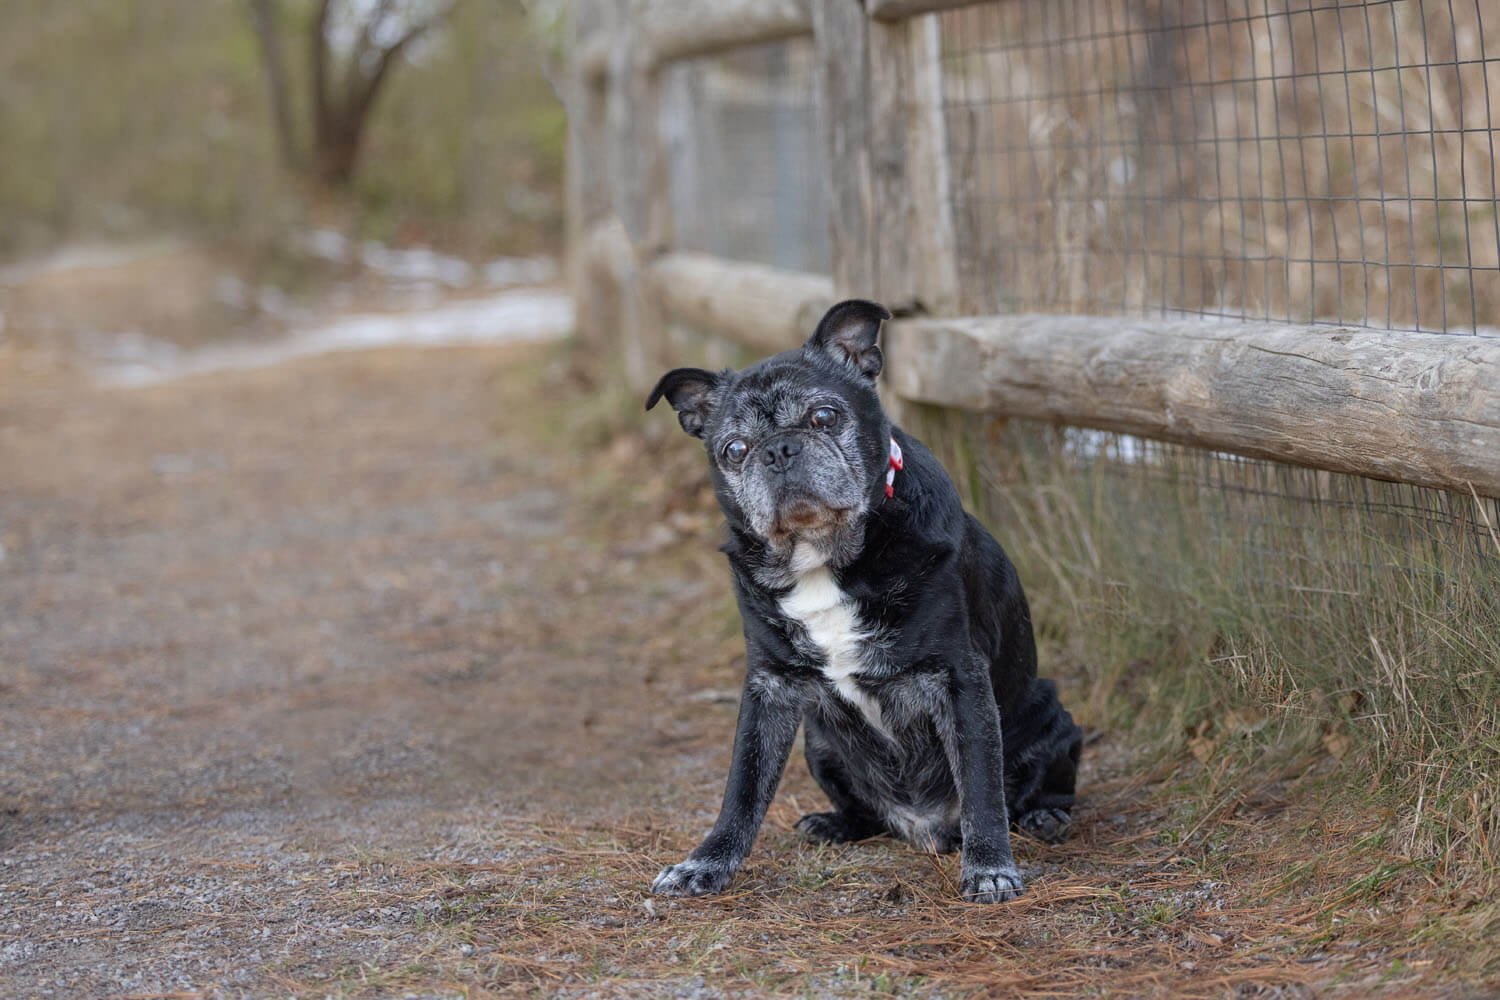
340,108
264,17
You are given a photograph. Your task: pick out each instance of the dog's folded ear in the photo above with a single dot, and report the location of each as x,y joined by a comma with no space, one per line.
848,332
691,393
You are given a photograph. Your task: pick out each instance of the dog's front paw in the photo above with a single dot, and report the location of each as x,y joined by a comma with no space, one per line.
998,884
692,878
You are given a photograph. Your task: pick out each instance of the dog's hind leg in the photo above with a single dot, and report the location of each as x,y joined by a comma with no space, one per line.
839,827
1049,814
851,819
1044,768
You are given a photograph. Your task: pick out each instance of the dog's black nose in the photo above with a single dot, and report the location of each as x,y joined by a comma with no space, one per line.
779,454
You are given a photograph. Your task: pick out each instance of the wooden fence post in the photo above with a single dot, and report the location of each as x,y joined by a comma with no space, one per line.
880,92
638,171
934,255
586,184
841,34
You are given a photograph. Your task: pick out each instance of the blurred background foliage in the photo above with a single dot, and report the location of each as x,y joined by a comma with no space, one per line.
122,119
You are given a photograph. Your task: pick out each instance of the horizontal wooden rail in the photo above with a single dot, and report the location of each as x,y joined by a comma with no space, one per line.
765,308
679,29
896,10
1411,407
682,29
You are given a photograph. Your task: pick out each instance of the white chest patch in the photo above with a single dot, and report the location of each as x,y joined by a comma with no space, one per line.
827,613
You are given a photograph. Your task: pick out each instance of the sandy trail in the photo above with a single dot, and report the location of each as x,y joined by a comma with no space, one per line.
253,622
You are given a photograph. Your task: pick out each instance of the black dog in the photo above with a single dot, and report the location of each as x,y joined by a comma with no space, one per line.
878,614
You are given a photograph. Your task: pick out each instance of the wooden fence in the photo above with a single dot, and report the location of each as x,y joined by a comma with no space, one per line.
1419,407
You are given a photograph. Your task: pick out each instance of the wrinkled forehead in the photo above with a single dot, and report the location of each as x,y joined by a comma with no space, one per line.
776,393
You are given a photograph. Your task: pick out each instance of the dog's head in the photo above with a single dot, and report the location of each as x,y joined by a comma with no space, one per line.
797,444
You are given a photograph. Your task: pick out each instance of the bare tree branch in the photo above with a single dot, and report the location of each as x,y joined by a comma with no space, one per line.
364,47
361,100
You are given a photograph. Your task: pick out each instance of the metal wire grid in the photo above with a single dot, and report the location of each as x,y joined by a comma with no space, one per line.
1268,498
746,157
1311,162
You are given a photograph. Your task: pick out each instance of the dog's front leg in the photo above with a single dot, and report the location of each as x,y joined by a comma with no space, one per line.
770,709
971,737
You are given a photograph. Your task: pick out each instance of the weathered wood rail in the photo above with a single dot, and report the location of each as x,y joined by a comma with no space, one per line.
1416,408
678,29
764,308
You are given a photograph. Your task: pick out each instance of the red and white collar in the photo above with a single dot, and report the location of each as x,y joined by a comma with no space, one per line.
893,466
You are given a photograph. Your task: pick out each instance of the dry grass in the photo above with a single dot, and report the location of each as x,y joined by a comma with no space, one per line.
1121,910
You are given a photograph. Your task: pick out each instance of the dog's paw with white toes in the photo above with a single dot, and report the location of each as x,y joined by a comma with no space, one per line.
991,885
692,878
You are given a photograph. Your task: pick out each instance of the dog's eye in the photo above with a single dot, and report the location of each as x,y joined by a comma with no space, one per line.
823,416
736,450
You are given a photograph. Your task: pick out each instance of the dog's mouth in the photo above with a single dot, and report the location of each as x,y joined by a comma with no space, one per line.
802,518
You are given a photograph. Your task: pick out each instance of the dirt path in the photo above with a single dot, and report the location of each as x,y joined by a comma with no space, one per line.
253,624
387,674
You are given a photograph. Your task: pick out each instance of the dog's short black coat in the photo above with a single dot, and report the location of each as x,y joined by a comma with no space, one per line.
893,628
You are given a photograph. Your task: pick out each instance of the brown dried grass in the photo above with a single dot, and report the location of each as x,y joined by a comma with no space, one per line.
1120,910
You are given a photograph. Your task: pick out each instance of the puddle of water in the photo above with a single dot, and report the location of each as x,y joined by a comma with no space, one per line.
509,317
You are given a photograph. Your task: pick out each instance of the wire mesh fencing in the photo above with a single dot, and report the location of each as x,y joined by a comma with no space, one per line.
746,158
1312,162
1307,162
